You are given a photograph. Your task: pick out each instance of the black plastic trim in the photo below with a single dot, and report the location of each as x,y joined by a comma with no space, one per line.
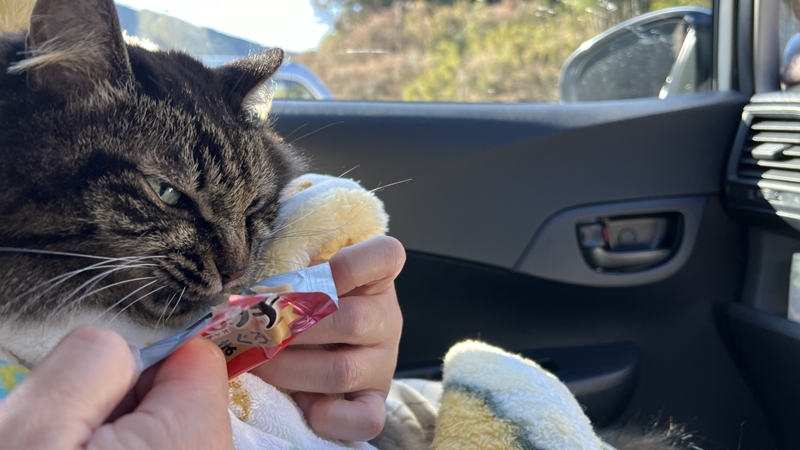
768,345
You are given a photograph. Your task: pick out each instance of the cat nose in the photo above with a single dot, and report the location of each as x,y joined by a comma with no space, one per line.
229,274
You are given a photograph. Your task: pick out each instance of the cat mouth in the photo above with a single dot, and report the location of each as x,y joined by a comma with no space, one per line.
168,307
188,293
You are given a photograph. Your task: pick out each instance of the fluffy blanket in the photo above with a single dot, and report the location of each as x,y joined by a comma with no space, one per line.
489,399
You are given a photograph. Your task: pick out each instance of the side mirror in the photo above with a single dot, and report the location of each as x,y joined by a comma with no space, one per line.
661,54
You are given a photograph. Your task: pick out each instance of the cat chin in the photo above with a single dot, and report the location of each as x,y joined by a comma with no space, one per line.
27,343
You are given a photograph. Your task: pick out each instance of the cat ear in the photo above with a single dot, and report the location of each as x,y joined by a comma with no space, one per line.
244,78
73,45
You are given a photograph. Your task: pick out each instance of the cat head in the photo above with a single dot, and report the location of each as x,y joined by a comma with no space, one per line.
133,181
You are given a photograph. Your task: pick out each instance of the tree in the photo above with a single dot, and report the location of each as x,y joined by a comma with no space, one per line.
460,50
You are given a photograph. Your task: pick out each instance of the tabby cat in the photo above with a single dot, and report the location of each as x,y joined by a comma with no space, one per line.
137,185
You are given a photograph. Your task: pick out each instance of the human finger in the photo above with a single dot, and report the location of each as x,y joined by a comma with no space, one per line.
70,393
183,405
359,417
344,369
362,320
369,266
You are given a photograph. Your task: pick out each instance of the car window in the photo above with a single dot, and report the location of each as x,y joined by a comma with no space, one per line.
449,50
286,89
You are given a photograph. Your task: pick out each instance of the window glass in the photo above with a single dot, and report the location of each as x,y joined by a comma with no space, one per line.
285,89
450,50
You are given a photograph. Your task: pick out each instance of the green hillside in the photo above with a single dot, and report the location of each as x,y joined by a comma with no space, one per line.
460,50
172,33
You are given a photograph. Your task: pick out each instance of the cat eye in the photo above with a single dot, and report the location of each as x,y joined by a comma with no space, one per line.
165,192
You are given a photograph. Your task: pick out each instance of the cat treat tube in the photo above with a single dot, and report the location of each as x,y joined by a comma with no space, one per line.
252,328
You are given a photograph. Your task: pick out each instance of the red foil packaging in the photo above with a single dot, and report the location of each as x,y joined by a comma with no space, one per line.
252,328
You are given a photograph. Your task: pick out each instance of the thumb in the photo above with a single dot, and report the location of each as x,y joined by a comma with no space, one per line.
70,393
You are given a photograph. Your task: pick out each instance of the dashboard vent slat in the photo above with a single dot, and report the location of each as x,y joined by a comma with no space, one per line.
763,177
769,150
770,160
781,175
780,138
792,151
792,164
777,125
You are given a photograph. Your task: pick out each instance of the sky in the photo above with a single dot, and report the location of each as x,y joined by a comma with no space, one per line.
290,24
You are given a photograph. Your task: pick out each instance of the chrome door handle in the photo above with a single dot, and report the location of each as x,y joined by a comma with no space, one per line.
630,243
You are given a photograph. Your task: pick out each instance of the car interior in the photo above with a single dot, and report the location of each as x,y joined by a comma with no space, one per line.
639,248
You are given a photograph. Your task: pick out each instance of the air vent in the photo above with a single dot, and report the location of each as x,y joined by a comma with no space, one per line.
772,152
764,174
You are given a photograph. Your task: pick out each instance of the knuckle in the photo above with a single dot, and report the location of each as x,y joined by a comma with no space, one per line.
359,322
345,374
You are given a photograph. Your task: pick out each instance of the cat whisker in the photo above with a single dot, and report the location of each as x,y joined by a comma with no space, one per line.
89,294
280,228
380,188
123,299
300,266
285,225
43,288
99,265
133,303
163,313
90,283
176,306
57,253
349,170
314,232
155,329
97,278
28,302
317,130
295,131
277,236
264,262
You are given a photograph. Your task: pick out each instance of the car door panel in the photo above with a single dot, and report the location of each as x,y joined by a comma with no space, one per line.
510,167
485,179
768,346
685,372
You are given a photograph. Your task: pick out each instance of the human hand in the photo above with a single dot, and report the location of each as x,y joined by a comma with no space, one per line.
366,329
80,396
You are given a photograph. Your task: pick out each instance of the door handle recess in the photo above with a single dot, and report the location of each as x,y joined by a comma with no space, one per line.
608,260
629,243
